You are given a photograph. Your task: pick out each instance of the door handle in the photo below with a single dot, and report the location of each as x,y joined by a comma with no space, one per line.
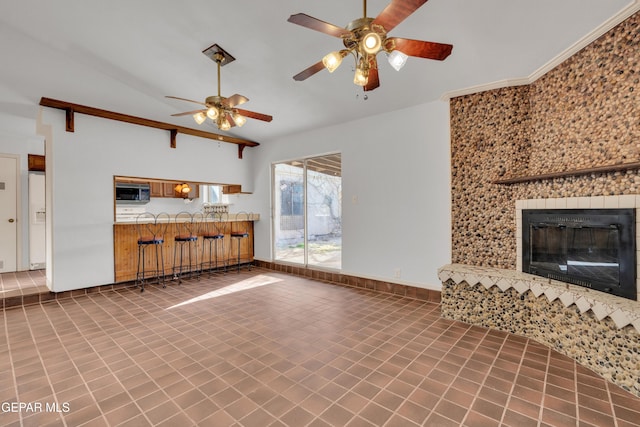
11,220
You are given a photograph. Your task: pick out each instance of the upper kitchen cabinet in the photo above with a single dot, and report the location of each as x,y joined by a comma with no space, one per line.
169,190
157,189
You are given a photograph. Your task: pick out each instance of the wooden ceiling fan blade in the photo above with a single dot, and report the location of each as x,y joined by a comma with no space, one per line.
396,12
318,25
188,113
421,49
308,72
373,81
254,115
185,99
234,100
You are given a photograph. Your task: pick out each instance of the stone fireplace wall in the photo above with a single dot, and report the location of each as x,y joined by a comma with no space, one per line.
584,113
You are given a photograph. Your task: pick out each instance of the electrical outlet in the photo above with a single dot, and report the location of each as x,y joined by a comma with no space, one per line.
354,200
397,273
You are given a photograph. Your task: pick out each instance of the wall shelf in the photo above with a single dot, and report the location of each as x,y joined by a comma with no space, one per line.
174,130
576,172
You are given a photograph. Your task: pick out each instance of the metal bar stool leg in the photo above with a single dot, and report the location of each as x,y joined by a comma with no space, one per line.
140,282
239,240
160,265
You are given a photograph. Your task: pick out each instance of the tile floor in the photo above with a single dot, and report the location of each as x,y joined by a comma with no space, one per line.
22,283
262,348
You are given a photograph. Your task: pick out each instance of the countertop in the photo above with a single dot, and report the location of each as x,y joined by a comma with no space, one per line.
228,218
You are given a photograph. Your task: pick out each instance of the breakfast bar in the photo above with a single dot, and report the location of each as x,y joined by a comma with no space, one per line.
126,234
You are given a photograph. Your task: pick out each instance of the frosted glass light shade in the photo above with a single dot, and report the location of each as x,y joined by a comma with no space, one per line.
199,117
212,113
361,77
332,61
397,59
239,119
224,124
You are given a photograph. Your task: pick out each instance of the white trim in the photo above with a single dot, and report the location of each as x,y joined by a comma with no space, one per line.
589,38
18,206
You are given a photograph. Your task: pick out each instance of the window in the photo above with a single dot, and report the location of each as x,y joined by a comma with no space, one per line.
213,194
308,211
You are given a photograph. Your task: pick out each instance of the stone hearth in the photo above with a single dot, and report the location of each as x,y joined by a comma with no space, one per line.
598,330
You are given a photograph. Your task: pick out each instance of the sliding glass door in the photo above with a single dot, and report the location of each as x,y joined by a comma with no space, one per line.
308,211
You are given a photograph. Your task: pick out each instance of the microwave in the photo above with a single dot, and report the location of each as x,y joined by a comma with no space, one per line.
132,193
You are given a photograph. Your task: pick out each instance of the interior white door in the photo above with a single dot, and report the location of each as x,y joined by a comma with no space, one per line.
8,214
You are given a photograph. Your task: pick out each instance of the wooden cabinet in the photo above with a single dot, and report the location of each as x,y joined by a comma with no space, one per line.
157,189
231,189
36,163
167,189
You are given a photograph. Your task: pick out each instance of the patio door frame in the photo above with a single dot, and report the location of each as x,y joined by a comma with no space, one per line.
274,206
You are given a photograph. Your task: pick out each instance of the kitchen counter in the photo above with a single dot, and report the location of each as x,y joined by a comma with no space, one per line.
125,242
230,218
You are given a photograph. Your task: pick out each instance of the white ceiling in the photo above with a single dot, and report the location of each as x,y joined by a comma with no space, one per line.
126,55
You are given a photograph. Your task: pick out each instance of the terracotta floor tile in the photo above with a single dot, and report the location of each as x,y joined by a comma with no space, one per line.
477,419
291,351
515,419
436,419
554,418
451,410
336,415
375,413
297,417
487,408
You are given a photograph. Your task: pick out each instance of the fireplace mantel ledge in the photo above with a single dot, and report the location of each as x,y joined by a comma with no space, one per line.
622,311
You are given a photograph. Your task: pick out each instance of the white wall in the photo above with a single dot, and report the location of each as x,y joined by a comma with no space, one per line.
80,170
397,167
17,137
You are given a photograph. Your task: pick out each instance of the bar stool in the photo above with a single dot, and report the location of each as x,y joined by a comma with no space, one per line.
239,232
151,229
185,240
213,228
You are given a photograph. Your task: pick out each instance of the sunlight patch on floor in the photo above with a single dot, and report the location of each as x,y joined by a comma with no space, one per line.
250,283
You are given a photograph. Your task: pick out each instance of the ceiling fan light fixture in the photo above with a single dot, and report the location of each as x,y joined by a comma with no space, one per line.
239,119
397,59
371,43
332,60
212,113
199,117
223,124
361,77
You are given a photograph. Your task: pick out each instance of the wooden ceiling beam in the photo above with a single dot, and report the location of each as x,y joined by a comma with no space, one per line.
70,109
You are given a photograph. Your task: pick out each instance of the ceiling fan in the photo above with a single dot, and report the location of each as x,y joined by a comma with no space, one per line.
365,37
222,111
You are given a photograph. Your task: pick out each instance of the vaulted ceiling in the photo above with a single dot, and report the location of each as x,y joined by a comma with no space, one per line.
126,55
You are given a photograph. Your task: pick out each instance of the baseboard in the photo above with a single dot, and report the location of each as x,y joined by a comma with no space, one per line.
422,294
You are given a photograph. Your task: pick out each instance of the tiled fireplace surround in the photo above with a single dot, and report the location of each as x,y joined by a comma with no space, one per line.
627,201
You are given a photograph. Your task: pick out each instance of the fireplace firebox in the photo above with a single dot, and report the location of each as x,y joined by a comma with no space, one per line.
594,248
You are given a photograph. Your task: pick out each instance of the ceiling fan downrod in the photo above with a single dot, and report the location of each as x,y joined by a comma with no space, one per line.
218,57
